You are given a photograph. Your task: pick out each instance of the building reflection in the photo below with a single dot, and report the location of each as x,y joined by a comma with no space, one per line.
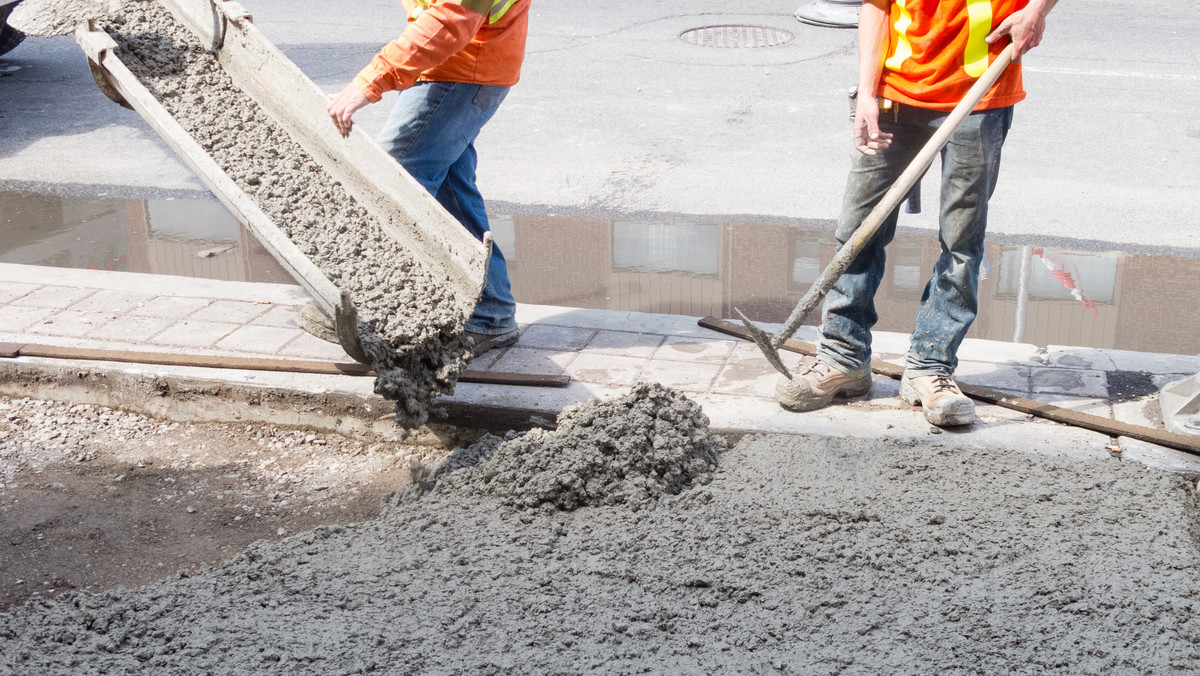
189,238
1027,294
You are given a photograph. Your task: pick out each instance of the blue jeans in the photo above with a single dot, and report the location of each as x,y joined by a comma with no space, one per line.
431,132
970,166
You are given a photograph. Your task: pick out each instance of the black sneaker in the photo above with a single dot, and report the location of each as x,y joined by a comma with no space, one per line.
482,342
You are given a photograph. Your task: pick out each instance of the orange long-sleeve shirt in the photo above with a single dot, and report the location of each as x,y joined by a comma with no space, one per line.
473,41
937,51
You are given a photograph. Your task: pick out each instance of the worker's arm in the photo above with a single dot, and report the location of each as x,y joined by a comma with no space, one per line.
872,45
435,35
1024,26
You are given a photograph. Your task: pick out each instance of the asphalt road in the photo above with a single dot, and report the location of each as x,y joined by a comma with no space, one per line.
617,115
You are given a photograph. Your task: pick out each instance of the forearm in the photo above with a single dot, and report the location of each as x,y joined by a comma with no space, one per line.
872,45
1042,7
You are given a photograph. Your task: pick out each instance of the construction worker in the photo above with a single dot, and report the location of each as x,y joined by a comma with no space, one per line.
453,66
917,60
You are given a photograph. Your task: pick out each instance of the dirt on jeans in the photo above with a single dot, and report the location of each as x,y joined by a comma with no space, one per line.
791,554
411,325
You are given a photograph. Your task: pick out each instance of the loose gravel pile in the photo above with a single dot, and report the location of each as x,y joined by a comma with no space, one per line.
801,555
411,325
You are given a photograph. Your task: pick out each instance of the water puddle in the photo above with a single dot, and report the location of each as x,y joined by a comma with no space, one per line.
1031,294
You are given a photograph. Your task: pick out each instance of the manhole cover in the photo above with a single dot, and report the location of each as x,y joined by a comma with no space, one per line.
736,36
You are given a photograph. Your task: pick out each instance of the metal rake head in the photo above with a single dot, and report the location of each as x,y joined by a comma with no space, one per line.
765,344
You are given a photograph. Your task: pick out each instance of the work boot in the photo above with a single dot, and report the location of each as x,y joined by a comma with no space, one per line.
944,404
314,322
817,384
482,342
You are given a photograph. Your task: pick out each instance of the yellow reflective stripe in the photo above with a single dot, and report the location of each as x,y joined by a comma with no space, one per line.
499,9
903,46
979,17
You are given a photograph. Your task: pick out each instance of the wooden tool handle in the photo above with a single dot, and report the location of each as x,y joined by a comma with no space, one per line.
893,197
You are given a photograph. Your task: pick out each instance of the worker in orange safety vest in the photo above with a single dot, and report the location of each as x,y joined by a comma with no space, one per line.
453,65
917,60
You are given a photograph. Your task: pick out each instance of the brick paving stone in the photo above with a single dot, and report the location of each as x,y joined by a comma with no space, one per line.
747,377
607,369
1077,382
307,346
105,300
702,350
624,343
194,333
259,339
57,297
484,361
532,361
14,319
681,376
995,376
746,351
1124,360
279,315
1092,405
232,311
10,291
130,329
551,337
1078,358
170,307
70,323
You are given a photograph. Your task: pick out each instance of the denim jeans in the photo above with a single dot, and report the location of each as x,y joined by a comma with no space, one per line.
970,166
431,132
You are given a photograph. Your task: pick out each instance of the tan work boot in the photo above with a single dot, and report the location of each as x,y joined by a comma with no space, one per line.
944,404
817,384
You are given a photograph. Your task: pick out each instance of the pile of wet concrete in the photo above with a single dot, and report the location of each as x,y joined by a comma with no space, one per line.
630,540
411,326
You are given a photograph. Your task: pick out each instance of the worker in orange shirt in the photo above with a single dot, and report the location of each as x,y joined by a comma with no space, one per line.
917,60
453,66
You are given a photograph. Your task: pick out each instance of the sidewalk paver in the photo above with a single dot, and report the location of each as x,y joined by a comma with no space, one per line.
70,323
170,307
194,333
58,297
604,352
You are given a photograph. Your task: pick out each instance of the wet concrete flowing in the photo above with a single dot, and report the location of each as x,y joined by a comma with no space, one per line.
410,328
790,555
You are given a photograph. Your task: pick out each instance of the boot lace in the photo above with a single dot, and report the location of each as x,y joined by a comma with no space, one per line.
944,384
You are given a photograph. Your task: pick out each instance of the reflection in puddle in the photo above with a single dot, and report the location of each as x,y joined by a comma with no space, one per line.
190,238
1028,294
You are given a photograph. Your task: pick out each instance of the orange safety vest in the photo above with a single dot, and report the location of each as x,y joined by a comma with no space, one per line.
937,50
473,41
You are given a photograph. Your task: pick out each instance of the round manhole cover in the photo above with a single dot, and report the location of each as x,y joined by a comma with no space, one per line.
736,36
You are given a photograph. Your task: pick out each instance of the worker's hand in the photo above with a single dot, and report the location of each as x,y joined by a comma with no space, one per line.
343,106
867,137
247,16
1025,27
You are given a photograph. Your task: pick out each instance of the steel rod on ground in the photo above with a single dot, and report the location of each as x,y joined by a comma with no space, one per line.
10,350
